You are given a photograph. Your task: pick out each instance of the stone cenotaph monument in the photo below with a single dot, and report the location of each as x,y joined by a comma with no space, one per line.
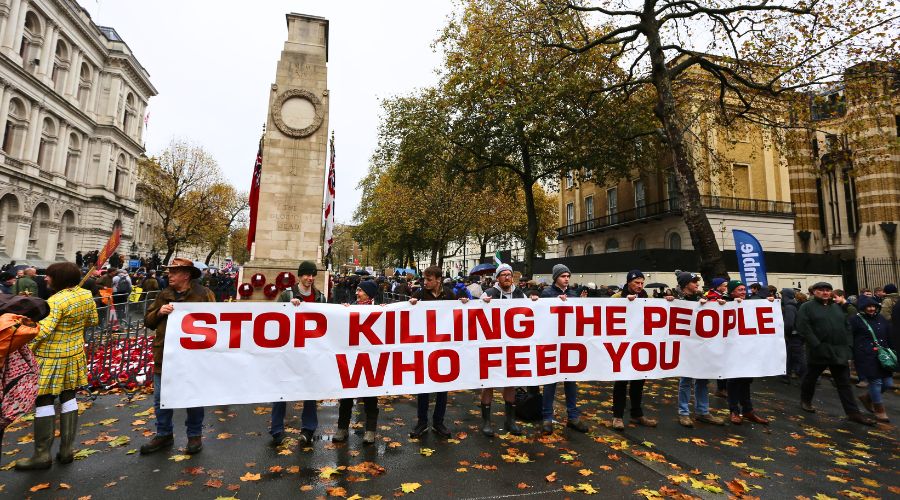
289,220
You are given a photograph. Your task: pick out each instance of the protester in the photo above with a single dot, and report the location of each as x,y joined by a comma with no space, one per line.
59,351
822,324
891,298
364,296
7,282
740,402
634,288
433,290
26,285
689,289
718,289
868,327
503,289
304,291
793,341
150,287
182,288
560,289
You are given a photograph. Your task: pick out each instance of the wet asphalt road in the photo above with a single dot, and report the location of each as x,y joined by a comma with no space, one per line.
797,455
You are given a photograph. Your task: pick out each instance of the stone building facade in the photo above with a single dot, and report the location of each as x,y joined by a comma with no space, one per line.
832,186
72,101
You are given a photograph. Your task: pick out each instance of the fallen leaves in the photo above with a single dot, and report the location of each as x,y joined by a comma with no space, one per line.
84,453
39,487
427,452
119,441
327,472
179,458
249,476
410,487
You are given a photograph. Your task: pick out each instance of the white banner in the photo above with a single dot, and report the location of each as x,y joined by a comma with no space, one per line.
242,352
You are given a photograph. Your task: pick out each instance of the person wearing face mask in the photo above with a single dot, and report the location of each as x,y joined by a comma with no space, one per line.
364,296
504,288
829,343
871,332
633,289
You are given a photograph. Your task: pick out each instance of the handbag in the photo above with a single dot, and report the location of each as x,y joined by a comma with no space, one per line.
887,358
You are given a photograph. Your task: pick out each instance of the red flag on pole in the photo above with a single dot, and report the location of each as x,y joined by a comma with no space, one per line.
254,197
329,204
110,247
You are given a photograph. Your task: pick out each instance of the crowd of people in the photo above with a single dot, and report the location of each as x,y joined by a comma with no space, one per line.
824,330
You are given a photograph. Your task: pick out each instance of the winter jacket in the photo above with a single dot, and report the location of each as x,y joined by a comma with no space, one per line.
554,291
789,311
622,294
423,294
678,292
824,328
294,293
495,293
887,304
25,286
156,321
865,356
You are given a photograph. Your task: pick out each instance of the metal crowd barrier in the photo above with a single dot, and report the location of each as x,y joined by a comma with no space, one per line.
390,298
119,349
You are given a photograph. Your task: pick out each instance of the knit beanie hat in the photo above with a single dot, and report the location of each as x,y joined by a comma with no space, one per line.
558,270
369,287
717,282
307,268
633,275
501,268
733,284
685,278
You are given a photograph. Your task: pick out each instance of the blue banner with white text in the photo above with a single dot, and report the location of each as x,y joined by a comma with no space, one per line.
751,262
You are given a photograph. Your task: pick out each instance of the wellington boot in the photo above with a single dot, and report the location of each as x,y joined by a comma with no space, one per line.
487,428
43,441
880,413
511,426
68,427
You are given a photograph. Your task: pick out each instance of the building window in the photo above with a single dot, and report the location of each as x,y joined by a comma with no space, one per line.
60,66
84,86
640,198
640,244
570,252
589,250
850,201
612,205
72,157
820,198
674,241
672,193
570,214
47,145
612,245
570,179
589,211
588,174
16,125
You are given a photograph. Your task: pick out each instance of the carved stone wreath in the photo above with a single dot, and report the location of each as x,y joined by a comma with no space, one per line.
292,131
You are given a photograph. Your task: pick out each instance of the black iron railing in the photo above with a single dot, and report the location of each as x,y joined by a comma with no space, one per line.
673,206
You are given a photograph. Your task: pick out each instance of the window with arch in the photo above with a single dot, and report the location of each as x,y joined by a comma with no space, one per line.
47,145
72,156
570,252
84,85
121,175
31,49
612,245
15,128
640,243
128,119
589,250
674,242
60,66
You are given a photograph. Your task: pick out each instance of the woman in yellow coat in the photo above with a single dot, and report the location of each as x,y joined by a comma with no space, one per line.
59,351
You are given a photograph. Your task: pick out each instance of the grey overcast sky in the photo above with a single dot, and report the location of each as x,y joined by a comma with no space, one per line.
213,62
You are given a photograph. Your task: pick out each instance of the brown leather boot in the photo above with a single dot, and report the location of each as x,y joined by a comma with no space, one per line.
753,417
866,401
880,413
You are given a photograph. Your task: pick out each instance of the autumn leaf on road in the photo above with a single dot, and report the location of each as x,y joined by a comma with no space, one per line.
327,472
410,487
179,458
336,492
84,453
39,487
426,452
250,477
551,477
586,488
119,441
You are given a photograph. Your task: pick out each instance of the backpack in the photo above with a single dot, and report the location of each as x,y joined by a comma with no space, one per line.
529,403
123,286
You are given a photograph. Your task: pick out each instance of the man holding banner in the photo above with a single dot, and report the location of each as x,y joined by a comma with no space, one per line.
183,287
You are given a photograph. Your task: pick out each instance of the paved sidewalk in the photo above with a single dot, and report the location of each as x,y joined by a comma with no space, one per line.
798,455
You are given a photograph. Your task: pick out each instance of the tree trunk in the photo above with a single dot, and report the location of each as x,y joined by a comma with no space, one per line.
703,237
531,240
483,247
212,252
170,249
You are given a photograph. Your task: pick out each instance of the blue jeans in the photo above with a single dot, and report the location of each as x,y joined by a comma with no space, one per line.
878,386
164,416
440,407
701,396
309,419
571,390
